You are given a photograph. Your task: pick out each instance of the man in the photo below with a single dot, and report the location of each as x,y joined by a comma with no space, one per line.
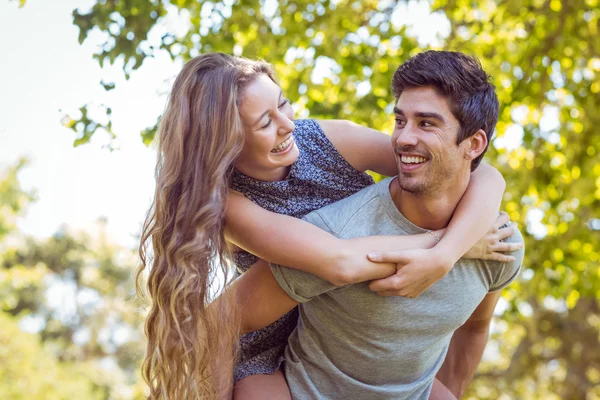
352,343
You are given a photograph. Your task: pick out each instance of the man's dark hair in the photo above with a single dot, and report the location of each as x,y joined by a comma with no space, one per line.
460,79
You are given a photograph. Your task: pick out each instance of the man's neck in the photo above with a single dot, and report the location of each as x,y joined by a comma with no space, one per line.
428,212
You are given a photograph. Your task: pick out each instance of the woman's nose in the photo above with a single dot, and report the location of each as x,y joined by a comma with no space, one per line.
286,125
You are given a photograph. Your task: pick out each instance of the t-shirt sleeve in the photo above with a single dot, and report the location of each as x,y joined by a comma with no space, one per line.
299,285
508,272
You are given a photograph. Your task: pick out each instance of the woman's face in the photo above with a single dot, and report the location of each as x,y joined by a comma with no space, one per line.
269,148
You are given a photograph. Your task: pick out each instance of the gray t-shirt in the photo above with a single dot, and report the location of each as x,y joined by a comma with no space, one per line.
351,343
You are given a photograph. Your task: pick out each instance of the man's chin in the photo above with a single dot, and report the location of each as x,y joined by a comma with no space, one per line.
411,185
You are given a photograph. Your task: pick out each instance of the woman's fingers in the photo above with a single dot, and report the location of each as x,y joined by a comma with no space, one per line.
506,232
504,247
501,257
502,220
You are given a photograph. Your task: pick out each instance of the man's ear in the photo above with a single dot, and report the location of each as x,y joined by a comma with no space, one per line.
477,144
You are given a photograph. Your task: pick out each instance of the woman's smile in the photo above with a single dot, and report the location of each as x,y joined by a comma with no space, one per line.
284,146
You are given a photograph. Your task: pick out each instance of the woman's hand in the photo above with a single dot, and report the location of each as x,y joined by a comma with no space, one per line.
490,246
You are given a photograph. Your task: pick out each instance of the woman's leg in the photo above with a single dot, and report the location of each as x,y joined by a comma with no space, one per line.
260,387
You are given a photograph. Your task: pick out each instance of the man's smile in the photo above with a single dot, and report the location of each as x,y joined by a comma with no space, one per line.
411,162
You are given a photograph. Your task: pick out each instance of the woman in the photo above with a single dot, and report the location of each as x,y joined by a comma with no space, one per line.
231,158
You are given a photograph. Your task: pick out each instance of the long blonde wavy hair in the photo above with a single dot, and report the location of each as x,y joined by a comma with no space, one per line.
191,346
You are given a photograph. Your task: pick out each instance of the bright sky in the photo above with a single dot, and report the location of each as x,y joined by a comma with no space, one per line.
43,70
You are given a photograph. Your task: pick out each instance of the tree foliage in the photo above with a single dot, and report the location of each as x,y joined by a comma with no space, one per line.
29,371
545,58
75,292
13,199
335,60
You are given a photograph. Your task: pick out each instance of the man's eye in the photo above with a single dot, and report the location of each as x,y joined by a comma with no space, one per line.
399,121
427,124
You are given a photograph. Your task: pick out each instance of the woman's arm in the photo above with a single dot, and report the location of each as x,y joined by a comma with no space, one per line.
298,244
368,149
364,148
475,213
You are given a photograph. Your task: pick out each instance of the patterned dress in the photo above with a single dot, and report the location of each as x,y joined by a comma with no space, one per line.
319,177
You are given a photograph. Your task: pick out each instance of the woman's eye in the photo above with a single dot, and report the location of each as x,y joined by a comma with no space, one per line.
267,124
281,105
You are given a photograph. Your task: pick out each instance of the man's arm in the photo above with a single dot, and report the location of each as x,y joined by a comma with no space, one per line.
468,341
466,347
261,299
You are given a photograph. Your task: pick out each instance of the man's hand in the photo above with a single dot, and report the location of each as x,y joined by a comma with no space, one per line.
417,270
490,246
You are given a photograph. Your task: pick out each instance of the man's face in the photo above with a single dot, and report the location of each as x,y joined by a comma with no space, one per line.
429,160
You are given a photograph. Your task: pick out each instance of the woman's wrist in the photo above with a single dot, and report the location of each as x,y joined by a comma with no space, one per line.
344,271
445,252
435,236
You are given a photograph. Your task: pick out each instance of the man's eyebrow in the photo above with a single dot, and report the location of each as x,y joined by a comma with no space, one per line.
433,115
266,112
422,114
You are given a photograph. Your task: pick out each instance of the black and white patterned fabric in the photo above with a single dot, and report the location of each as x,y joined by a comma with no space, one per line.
320,176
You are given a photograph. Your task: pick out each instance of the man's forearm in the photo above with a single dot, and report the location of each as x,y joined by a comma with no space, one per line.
463,357
260,299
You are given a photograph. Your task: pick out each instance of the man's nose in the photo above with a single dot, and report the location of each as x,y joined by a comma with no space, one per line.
407,136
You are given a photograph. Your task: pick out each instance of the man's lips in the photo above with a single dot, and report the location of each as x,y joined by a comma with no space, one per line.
410,161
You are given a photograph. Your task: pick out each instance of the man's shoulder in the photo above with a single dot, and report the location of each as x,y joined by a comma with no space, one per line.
336,215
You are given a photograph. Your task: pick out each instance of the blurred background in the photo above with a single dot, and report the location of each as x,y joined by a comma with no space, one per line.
82,84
